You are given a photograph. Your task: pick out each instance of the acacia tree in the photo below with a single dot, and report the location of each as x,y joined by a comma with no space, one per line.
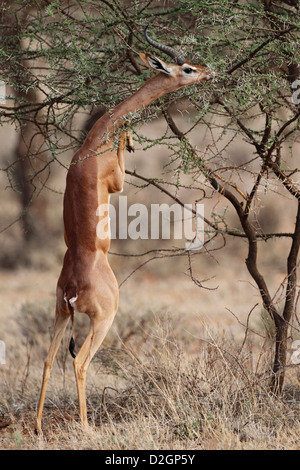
78,55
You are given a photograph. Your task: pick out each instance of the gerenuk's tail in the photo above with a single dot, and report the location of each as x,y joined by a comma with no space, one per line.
70,297
72,347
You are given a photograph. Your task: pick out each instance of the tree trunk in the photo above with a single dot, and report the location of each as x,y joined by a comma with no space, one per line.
282,324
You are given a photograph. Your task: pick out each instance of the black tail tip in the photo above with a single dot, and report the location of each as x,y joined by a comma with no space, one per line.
72,347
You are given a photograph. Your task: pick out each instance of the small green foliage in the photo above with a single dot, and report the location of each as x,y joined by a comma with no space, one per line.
78,57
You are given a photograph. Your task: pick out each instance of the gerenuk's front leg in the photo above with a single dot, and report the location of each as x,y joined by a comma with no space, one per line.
129,142
125,141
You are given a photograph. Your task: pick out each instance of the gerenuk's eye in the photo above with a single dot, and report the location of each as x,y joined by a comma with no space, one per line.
188,70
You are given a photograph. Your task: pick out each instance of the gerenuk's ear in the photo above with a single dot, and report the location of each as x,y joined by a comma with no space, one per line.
156,63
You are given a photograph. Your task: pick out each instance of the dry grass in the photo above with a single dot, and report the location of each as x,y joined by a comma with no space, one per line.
162,381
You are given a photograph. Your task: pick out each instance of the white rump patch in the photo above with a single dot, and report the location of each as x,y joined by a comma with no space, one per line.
71,301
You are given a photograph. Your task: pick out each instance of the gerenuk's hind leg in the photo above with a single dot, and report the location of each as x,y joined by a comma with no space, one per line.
61,320
98,330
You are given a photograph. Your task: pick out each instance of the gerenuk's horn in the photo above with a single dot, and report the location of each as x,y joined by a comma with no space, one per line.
179,59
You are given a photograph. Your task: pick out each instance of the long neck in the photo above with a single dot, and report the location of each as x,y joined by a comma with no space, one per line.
154,88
